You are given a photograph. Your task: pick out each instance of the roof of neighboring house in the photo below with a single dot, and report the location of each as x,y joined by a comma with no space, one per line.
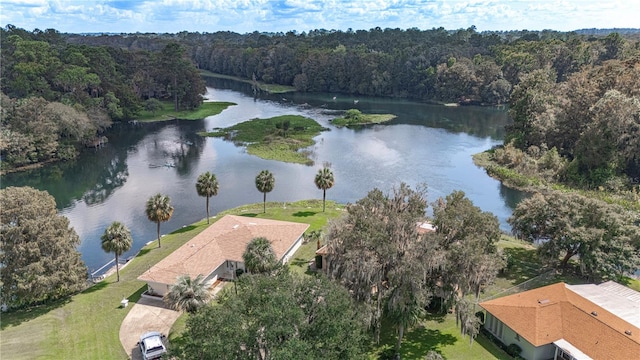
624,302
425,227
226,239
555,312
324,250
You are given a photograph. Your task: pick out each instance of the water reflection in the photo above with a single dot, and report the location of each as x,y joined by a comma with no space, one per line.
478,121
424,144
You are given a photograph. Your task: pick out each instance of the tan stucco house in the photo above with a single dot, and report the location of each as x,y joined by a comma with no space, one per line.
217,251
569,322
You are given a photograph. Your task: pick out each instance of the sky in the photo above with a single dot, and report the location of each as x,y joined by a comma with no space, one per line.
245,16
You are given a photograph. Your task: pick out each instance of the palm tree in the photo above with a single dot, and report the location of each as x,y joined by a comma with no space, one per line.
265,183
259,257
116,239
188,294
324,180
208,186
158,210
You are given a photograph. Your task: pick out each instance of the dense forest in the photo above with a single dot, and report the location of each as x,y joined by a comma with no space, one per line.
58,96
572,94
452,66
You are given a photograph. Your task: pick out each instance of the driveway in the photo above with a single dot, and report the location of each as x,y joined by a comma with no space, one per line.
150,315
146,315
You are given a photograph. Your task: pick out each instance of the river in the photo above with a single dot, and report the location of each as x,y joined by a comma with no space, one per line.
424,144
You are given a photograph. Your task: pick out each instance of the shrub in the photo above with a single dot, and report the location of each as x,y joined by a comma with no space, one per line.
514,350
388,354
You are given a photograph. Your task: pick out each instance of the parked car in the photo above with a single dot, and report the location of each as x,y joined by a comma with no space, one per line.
152,345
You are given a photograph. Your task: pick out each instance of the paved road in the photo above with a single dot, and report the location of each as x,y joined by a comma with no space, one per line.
146,315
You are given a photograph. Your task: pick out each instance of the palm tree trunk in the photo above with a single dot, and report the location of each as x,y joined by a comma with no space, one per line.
159,245
324,196
400,336
264,203
117,268
207,209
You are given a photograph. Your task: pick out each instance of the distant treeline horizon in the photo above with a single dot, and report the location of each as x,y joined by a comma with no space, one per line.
562,87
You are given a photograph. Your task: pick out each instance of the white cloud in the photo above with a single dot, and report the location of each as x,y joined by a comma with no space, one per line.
304,15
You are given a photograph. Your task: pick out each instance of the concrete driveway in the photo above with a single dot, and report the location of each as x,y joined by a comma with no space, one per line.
146,315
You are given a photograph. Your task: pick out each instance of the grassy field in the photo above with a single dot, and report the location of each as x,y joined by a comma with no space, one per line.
438,333
267,139
167,112
269,88
87,325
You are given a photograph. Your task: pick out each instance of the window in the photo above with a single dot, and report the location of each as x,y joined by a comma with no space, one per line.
563,355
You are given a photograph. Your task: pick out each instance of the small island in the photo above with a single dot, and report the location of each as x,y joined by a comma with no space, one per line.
277,138
155,110
353,117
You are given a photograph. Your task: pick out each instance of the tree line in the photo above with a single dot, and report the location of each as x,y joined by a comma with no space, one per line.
591,120
57,96
446,65
554,81
575,92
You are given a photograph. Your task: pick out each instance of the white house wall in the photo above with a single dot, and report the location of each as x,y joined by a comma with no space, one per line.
158,288
287,256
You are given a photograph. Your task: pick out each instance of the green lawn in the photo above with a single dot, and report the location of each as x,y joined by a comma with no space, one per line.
267,139
168,112
438,333
87,325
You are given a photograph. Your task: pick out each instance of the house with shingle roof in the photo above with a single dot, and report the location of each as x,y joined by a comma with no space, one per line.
562,321
217,251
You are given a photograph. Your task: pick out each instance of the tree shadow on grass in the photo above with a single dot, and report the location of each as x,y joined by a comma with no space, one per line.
522,265
17,317
133,298
304,213
299,262
249,215
419,341
143,252
184,229
95,287
436,316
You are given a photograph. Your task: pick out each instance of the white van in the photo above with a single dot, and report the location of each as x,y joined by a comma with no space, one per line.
152,345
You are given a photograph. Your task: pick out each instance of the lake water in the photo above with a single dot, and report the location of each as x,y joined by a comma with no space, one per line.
425,144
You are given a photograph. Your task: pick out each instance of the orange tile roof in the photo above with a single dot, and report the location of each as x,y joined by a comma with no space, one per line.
554,312
226,239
